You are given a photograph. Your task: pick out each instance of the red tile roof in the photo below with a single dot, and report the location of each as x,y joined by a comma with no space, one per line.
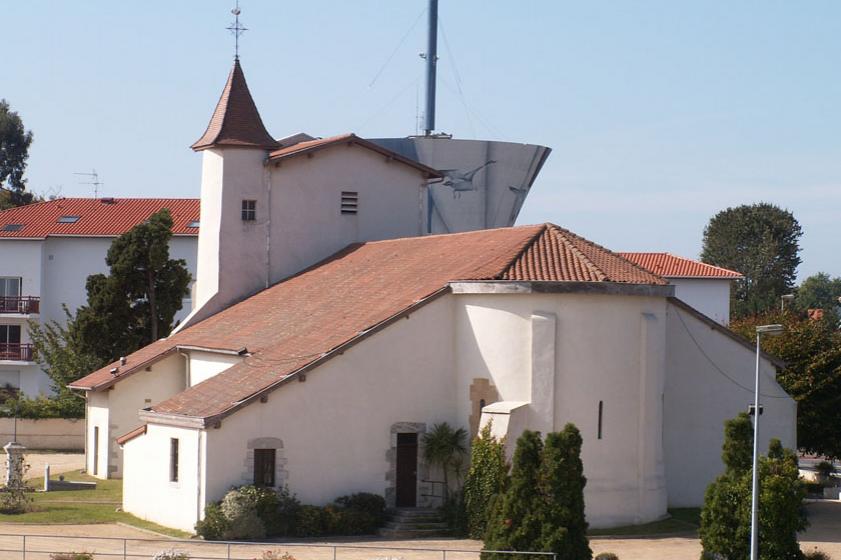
672,266
235,121
310,146
105,217
301,320
138,431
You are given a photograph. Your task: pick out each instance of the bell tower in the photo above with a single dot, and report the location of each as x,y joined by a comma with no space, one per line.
234,229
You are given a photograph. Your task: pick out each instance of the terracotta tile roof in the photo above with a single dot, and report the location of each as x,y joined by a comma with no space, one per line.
673,266
299,321
310,146
107,217
235,121
138,431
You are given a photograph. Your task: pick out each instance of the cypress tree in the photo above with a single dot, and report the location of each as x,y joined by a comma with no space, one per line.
562,477
485,479
516,522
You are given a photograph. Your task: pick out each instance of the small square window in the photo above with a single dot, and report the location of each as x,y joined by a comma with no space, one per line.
68,219
249,210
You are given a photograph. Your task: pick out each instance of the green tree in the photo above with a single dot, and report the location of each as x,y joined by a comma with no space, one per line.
445,448
562,478
516,520
485,479
14,151
135,304
819,291
811,351
726,515
762,242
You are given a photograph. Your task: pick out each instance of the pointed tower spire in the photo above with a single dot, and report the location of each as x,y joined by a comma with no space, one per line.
236,121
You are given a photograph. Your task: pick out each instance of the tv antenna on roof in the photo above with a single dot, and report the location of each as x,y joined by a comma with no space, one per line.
237,29
94,180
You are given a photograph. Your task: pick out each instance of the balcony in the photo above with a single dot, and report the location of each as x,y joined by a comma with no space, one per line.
20,305
16,352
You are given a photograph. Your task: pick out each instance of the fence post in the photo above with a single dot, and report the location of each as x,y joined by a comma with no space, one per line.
444,555
229,551
24,547
125,547
334,552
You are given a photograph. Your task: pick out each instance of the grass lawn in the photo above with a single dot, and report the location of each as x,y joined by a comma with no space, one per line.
682,520
83,507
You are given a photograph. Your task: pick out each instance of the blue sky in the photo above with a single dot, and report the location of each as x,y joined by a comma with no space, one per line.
659,113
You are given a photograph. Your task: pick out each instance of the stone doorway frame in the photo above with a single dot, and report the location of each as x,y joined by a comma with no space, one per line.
424,489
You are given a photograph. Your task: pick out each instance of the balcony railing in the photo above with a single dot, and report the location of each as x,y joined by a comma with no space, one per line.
16,352
20,304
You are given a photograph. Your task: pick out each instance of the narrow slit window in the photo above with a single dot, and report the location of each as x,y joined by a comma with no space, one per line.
173,459
249,210
95,450
350,202
601,415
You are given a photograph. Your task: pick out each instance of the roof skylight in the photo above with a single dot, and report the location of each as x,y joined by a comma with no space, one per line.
193,224
12,227
68,219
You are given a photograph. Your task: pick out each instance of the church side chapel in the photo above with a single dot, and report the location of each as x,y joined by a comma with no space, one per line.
331,331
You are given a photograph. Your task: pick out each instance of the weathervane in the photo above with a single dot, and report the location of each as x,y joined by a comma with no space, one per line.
236,29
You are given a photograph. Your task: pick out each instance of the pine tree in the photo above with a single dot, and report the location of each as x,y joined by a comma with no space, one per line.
485,479
516,522
562,486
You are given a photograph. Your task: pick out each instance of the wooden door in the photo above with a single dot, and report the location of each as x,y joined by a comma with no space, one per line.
407,470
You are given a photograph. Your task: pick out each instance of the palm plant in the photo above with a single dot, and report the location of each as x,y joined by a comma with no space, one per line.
445,447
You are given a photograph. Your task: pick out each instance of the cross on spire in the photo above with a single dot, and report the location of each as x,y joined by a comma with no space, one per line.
237,29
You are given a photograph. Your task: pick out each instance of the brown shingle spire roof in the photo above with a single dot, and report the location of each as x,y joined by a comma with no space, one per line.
236,121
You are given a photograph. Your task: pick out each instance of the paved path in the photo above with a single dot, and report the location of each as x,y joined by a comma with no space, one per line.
824,533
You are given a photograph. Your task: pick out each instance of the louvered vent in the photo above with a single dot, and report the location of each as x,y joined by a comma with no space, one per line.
350,202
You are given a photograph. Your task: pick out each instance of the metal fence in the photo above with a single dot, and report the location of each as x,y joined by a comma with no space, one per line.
43,547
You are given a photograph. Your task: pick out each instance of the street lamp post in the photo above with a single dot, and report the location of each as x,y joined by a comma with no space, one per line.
783,299
770,330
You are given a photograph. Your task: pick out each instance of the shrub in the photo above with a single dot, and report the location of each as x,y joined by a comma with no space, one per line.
240,509
171,554
274,555
342,521
455,514
71,556
606,556
372,504
312,522
817,555
485,479
215,525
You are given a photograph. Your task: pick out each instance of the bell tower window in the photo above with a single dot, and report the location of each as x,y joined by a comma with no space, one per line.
249,210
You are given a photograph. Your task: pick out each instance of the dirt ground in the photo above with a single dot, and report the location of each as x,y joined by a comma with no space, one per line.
59,463
824,533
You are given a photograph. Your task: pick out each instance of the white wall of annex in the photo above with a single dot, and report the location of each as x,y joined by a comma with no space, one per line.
204,365
699,399
605,350
97,412
140,390
151,494
307,223
335,426
710,296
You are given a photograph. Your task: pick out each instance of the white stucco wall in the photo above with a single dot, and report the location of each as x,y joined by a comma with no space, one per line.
157,498
607,348
97,412
710,296
204,365
141,390
699,399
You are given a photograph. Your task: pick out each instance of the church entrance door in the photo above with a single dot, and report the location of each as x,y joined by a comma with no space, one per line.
407,470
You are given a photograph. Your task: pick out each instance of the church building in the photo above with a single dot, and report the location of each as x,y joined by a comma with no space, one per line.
331,329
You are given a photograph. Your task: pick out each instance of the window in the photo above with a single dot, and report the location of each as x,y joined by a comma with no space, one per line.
12,227
601,412
95,450
9,287
173,459
264,463
68,219
9,334
350,202
249,210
